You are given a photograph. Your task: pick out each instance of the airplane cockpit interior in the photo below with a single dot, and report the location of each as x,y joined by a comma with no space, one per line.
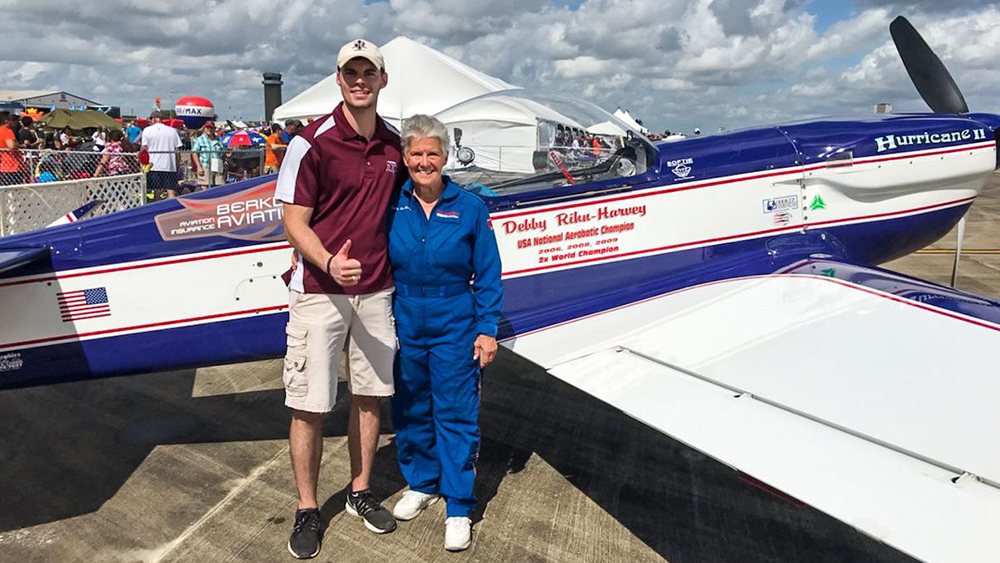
519,141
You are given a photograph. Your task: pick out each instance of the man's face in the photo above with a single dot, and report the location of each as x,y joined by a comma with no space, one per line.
291,129
360,82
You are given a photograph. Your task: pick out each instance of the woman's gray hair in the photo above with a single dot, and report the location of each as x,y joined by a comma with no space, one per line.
424,126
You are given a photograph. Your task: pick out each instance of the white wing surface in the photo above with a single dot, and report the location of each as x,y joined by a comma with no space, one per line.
877,410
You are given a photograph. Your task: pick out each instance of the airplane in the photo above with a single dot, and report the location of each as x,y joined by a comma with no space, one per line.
720,289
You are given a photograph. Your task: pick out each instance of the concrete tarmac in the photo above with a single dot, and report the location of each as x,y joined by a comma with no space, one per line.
193,465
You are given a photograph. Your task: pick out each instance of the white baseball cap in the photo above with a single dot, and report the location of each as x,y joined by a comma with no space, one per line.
360,48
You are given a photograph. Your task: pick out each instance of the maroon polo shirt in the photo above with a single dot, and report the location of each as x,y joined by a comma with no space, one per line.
348,181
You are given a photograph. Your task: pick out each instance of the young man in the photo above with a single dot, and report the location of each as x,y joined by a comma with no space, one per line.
162,143
336,181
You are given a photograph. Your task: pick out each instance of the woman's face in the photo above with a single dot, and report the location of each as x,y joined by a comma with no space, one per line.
425,159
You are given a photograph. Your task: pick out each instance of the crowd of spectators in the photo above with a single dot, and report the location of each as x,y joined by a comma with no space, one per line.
31,152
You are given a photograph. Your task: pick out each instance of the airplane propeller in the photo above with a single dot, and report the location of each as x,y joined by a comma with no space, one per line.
927,72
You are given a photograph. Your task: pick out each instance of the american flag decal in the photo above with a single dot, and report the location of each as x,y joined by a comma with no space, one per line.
84,304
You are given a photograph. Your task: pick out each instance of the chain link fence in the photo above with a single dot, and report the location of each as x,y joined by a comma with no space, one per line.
39,186
28,207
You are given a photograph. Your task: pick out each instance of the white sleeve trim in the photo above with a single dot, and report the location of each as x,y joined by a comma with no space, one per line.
289,172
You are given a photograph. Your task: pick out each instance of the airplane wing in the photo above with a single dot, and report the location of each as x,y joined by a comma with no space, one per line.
864,393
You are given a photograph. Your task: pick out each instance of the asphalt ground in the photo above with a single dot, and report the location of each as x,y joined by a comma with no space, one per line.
193,466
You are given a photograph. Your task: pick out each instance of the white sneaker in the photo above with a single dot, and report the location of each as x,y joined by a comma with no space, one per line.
412,504
457,533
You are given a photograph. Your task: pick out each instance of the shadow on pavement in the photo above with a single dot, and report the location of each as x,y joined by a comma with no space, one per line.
66,449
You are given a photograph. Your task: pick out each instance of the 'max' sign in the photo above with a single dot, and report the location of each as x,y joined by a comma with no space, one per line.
890,142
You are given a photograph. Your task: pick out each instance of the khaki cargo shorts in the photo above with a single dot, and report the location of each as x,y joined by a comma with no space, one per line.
319,326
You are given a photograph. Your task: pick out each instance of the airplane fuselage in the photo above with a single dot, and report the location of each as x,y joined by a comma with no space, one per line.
197,280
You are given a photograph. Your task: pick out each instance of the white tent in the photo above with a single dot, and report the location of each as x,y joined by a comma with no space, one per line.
627,119
421,80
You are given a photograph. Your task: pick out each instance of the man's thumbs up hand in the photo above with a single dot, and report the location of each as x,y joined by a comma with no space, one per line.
345,271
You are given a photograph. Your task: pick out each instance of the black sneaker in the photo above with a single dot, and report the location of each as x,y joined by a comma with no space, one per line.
304,542
377,519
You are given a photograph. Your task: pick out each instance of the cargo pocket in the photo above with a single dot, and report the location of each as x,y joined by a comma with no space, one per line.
294,375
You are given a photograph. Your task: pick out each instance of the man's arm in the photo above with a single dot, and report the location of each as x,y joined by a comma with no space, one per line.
196,159
345,271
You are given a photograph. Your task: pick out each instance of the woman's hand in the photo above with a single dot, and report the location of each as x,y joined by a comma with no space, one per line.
484,350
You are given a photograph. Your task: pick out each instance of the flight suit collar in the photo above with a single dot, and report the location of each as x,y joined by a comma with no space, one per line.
451,189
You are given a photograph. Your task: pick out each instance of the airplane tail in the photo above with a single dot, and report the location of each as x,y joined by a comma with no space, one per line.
77,214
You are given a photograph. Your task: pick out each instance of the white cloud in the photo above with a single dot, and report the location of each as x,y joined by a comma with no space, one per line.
675,63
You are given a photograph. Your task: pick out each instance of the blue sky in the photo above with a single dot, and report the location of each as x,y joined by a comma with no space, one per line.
676,64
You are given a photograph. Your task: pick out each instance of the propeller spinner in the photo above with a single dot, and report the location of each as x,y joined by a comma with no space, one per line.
927,72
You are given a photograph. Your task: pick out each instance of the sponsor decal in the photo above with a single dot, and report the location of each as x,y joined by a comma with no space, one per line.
192,111
680,167
84,304
890,142
11,361
783,203
250,214
448,214
390,166
817,203
782,218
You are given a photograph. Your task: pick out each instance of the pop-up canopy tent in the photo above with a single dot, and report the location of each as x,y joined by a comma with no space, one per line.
78,120
421,80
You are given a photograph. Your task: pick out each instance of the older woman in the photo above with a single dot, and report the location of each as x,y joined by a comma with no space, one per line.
446,268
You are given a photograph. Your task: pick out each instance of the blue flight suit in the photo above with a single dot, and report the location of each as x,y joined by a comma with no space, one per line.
439,314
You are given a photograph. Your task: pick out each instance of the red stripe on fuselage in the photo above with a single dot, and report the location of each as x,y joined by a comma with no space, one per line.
147,265
52,339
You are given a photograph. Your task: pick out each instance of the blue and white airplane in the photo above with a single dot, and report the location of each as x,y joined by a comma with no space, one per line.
720,289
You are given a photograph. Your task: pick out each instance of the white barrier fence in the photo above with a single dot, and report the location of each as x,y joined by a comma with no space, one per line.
27,207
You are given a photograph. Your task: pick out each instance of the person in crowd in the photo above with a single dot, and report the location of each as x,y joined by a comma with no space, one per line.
291,128
162,142
100,137
446,268
113,162
274,150
335,183
206,157
10,156
64,138
27,137
133,132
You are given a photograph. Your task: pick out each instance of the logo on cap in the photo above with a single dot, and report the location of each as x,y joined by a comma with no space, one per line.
359,45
